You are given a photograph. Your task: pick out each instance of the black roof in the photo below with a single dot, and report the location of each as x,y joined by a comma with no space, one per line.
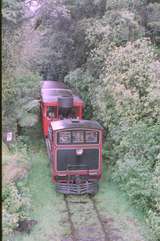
75,123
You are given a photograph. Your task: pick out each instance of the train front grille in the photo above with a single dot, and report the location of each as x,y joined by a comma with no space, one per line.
69,160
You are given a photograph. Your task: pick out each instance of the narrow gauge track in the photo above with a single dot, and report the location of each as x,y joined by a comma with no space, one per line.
73,230
84,218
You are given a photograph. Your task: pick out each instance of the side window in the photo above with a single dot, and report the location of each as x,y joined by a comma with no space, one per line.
65,113
52,112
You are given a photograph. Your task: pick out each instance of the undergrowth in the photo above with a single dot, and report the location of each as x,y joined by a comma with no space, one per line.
16,202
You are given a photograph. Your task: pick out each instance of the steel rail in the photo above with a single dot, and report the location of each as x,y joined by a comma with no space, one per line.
96,211
99,218
73,233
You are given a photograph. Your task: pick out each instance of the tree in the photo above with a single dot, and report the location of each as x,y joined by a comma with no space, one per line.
13,39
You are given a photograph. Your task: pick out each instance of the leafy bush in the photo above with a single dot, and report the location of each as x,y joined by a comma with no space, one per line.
126,98
118,4
82,82
130,84
16,205
128,103
154,211
153,22
15,195
23,99
137,151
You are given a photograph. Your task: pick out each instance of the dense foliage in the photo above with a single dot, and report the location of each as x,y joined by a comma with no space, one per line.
20,85
135,152
16,206
122,78
16,203
108,51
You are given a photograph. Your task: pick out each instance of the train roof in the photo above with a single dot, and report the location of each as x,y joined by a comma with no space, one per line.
75,123
52,90
53,98
47,93
47,84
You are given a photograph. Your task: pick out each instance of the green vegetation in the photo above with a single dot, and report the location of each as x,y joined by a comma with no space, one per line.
15,197
122,78
108,51
118,212
47,205
16,206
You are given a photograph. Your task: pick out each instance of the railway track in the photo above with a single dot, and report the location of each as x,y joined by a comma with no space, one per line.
84,219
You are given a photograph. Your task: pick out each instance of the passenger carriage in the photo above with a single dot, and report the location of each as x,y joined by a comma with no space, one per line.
57,102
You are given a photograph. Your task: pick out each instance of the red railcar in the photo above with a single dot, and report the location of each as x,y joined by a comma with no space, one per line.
74,145
58,101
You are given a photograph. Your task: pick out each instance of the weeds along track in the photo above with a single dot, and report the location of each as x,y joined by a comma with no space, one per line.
72,227
84,219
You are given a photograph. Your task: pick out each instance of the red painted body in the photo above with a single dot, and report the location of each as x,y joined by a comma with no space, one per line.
78,104
94,174
46,120
53,126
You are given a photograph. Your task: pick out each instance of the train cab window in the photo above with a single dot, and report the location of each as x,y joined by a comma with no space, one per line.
65,113
78,137
52,112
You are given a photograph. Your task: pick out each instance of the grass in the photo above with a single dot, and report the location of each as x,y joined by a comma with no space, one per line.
113,203
48,207
46,203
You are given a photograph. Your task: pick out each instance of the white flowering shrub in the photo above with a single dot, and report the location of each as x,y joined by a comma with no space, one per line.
128,103
126,99
130,85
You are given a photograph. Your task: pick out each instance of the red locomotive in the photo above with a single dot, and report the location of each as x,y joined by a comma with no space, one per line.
74,145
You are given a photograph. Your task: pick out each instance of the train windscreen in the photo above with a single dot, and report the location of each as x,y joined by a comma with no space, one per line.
78,137
69,159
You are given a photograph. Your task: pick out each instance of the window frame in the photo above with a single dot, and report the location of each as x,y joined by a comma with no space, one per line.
78,143
55,108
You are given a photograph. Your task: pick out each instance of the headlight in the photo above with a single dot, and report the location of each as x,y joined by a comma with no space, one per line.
91,136
64,137
79,152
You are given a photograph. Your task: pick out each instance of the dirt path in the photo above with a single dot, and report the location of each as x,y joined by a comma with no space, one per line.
108,217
